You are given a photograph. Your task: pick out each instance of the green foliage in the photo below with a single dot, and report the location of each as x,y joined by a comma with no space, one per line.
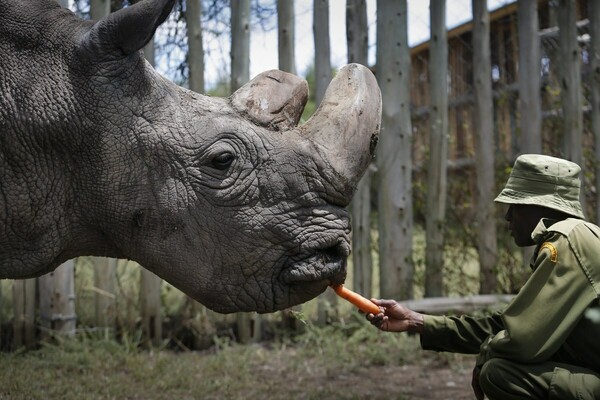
308,366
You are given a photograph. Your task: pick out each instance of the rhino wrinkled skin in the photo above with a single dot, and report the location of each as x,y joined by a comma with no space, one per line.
228,199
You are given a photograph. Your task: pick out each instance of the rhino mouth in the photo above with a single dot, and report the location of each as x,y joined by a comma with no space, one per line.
326,265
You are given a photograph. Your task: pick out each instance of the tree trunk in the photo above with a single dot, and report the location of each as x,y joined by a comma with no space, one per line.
285,35
201,318
240,43
570,78
594,16
327,302
485,165
240,74
530,109
195,47
394,159
357,36
104,268
438,151
57,300
24,313
57,291
99,9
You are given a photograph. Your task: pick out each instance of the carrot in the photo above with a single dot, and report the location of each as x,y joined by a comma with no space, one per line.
363,304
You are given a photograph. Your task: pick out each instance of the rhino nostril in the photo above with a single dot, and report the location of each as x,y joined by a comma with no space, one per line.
336,252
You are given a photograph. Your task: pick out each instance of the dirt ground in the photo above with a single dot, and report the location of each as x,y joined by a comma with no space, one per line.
410,382
427,379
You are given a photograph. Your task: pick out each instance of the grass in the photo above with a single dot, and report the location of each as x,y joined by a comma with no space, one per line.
311,365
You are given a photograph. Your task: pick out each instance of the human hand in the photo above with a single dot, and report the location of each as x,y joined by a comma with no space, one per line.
475,384
396,318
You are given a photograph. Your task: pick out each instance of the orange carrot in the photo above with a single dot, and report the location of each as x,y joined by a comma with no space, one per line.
363,304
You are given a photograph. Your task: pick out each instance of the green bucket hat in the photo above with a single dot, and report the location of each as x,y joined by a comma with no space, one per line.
544,181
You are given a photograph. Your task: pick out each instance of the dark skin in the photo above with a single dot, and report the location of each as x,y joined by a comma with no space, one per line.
522,220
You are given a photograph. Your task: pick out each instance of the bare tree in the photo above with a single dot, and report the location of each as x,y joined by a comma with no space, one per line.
195,47
570,78
285,35
104,268
240,43
394,153
438,151
240,74
357,37
487,246
530,108
323,75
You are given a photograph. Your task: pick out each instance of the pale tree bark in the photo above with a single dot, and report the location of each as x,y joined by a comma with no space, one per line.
570,83
57,300
594,16
240,43
105,269
530,109
202,320
326,308
483,119
394,152
357,37
323,73
57,292
285,35
99,9
240,74
150,284
195,46
24,313
286,54
438,151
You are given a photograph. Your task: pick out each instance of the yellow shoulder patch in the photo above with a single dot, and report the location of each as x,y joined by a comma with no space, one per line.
552,249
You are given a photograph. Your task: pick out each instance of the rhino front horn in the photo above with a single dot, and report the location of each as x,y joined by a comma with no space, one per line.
346,125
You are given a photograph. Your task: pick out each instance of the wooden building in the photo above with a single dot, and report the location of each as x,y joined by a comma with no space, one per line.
504,45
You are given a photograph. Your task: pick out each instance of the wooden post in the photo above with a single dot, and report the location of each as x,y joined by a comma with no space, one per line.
357,36
285,35
326,302
57,300
24,313
240,74
104,293
594,16
570,87
484,157
530,109
104,268
195,45
438,151
394,152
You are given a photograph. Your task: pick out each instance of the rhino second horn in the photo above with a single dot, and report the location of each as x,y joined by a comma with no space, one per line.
346,125
274,99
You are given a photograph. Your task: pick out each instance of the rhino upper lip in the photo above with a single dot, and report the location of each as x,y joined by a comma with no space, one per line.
328,264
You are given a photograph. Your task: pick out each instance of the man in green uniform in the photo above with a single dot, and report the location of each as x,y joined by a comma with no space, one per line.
546,343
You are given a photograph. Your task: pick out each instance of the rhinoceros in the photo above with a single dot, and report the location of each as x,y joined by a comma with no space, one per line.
228,199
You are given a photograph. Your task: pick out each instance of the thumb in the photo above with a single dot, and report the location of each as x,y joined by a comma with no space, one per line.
384,303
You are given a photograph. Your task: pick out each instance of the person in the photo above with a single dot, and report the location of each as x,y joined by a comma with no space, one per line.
546,343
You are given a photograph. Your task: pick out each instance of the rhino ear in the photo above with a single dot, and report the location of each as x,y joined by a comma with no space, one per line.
274,99
127,30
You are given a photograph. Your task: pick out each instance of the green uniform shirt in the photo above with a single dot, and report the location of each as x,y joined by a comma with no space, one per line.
555,316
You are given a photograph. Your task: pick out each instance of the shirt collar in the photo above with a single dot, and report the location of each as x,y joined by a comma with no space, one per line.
541,229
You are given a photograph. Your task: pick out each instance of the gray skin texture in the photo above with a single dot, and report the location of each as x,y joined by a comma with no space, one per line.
226,198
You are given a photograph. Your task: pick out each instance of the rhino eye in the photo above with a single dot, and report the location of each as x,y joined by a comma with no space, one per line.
222,161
